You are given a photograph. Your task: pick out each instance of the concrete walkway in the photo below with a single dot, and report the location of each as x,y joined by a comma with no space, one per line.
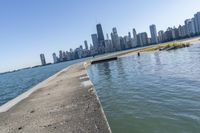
65,104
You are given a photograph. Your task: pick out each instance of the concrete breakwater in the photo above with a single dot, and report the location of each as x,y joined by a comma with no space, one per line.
65,103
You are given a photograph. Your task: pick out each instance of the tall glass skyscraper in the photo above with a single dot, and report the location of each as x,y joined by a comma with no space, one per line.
100,33
42,58
197,22
153,32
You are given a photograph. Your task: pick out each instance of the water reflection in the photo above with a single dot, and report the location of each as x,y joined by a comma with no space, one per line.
157,58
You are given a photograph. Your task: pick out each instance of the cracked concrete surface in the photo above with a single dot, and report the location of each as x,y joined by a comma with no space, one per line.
65,104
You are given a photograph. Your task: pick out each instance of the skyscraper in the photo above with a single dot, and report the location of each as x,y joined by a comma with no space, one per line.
169,34
107,37
115,39
100,33
161,36
108,44
94,40
42,58
197,22
142,39
86,44
181,31
81,47
55,58
130,40
134,34
190,27
101,41
129,35
126,43
153,31
60,55
135,41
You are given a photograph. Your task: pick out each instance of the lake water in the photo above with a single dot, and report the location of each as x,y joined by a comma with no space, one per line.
14,84
154,93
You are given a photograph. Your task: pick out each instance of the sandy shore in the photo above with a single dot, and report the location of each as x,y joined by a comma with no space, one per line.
67,103
195,40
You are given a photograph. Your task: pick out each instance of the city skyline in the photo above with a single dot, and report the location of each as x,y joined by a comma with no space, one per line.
100,45
125,21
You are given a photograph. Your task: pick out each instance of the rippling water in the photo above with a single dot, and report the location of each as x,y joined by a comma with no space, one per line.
14,84
154,93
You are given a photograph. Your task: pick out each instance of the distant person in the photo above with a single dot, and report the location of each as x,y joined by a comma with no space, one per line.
138,53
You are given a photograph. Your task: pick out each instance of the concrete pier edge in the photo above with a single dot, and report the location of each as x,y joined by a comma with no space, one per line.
87,65
14,106
5,107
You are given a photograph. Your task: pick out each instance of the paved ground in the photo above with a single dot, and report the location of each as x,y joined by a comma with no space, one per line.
66,104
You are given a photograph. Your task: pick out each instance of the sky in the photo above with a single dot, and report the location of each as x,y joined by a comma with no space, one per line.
31,27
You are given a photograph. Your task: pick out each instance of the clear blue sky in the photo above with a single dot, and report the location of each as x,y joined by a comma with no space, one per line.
31,27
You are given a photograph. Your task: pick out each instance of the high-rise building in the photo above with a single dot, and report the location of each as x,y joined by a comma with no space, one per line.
175,33
92,50
181,31
55,58
71,54
42,58
129,35
115,39
135,42
64,56
81,47
122,42
60,55
86,45
127,42
130,40
190,27
108,44
67,55
100,33
197,22
79,53
142,39
161,36
107,37
101,40
134,34
153,31
170,34
95,42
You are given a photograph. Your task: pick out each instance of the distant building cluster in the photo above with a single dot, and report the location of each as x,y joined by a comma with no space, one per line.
100,45
190,28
